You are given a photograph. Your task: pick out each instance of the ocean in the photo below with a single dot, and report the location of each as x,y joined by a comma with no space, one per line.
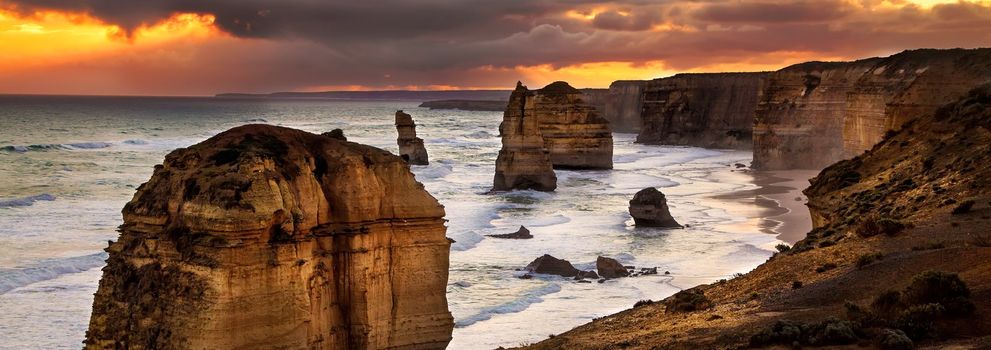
69,164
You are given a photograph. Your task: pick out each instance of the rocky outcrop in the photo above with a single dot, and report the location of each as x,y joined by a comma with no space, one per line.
522,233
550,265
707,110
574,133
466,105
813,114
610,268
624,105
264,237
649,208
523,162
843,286
336,134
596,98
410,147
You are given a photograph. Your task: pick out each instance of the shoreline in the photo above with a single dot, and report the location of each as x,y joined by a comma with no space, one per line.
780,196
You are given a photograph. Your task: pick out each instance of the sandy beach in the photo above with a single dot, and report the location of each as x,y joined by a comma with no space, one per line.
779,199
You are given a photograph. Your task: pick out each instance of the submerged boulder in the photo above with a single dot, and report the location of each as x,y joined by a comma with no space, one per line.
610,268
275,238
411,148
522,233
550,265
649,208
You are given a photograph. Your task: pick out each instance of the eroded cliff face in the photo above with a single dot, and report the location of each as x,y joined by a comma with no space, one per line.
411,148
813,114
265,237
706,110
523,162
623,105
573,132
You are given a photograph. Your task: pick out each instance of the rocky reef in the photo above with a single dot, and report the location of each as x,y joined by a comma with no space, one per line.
522,233
573,132
705,110
649,208
264,237
411,148
813,114
523,162
624,104
610,268
898,257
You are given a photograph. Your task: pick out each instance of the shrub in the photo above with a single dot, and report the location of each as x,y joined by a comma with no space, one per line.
964,207
874,225
687,301
894,339
943,288
919,321
796,284
826,243
868,259
644,302
828,332
782,247
825,267
930,246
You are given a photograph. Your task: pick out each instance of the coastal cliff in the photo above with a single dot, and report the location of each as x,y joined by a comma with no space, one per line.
265,237
523,162
707,110
573,132
623,105
813,114
898,258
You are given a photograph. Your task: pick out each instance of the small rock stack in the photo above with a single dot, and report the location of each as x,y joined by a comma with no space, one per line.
649,208
410,147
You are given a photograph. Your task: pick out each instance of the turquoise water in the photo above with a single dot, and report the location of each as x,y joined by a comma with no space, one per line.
68,165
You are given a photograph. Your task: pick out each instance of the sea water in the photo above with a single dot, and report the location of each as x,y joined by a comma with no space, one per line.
69,164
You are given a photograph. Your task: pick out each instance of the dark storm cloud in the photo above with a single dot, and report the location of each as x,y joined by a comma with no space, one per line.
777,11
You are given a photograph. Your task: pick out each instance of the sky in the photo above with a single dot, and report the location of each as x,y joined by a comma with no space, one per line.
196,47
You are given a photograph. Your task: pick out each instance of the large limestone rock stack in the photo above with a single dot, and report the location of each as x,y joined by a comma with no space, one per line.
265,237
410,147
523,162
574,133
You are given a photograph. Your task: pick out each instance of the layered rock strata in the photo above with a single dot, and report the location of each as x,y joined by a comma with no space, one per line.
264,237
411,147
574,133
649,208
813,114
523,162
707,110
624,105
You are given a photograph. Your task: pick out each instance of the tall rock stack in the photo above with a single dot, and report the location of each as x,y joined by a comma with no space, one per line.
705,110
410,147
574,133
265,237
523,162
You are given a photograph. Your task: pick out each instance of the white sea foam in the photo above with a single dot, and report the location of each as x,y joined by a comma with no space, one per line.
25,201
514,306
11,278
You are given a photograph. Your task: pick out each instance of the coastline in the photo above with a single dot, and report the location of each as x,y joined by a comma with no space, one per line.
779,194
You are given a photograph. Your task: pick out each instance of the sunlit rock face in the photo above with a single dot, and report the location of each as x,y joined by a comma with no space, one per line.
706,110
573,132
623,105
813,114
523,162
265,237
411,148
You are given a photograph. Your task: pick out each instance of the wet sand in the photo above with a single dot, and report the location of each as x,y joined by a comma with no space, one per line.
778,195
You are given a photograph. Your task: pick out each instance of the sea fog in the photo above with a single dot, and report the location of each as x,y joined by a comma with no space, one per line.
69,164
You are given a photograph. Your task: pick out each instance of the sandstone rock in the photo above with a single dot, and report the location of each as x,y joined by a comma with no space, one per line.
523,162
649,208
264,237
336,134
813,114
610,268
624,105
550,265
522,233
573,132
706,110
410,147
